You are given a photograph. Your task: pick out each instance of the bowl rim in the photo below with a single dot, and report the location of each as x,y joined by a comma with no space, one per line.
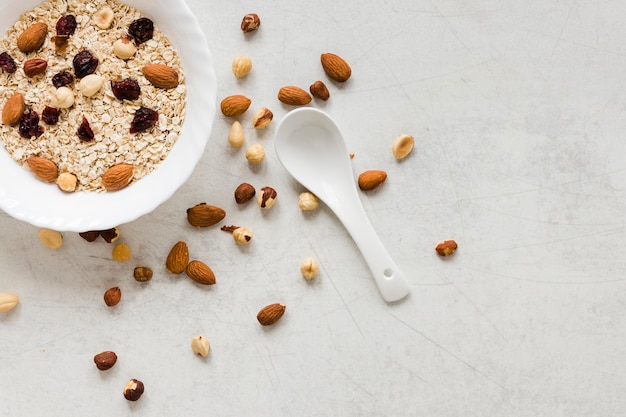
44,206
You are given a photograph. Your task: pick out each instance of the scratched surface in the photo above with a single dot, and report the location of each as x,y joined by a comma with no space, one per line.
518,111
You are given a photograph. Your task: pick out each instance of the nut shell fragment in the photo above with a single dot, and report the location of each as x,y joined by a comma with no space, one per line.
270,314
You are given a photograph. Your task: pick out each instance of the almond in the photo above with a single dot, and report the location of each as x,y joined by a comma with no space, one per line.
178,258
112,296
319,90
33,37
200,273
160,75
34,67
335,67
105,360
118,177
8,301
270,314
294,96
371,179
204,215
43,168
13,109
235,105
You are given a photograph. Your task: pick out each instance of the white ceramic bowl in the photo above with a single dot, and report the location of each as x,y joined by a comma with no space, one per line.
25,198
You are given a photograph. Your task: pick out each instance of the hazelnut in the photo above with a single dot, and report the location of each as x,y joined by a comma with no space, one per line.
242,235
123,48
67,182
244,193
90,84
308,201
402,146
104,18
51,239
446,247
142,274
262,118
63,98
200,346
309,268
255,153
110,235
133,390
241,65
236,136
105,360
266,198
250,22
112,296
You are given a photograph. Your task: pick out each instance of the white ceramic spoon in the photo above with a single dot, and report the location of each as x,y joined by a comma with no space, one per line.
310,146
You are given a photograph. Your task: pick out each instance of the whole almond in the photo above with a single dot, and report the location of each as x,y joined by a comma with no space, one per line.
319,90
200,272
33,37
112,296
7,301
335,67
270,314
235,105
371,179
44,169
294,96
13,109
34,67
204,215
161,75
105,360
118,177
178,258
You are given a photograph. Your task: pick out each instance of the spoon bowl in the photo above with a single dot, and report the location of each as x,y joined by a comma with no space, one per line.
311,148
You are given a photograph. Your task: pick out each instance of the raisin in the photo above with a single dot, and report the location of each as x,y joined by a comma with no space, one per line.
50,115
62,78
29,125
84,131
84,64
66,25
7,63
144,119
141,30
127,89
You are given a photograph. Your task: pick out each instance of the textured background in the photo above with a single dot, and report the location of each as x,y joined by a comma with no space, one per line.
518,112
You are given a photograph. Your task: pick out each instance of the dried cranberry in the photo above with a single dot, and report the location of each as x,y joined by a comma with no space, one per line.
50,115
141,30
29,125
144,119
127,89
84,131
7,63
62,78
66,25
84,64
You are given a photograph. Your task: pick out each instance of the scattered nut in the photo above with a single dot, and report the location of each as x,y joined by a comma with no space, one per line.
241,65
250,22
446,247
13,109
90,85
204,215
34,67
308,201
236,137
266,198
200,346
178,258
372,179
235,105
63,98
270,314
402,146
105,360
309,268
90,235
200,272
133,390
112,296
262,118
110,235
121,252
66,182
335,67
51,239
319,90
255,153
123,48
142,274
294,96
244,193
8,301
44,169
242,235
103,18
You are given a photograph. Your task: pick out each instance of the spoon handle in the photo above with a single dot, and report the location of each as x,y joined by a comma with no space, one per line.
390,280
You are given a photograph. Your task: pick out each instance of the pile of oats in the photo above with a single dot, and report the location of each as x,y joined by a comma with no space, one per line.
108,116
